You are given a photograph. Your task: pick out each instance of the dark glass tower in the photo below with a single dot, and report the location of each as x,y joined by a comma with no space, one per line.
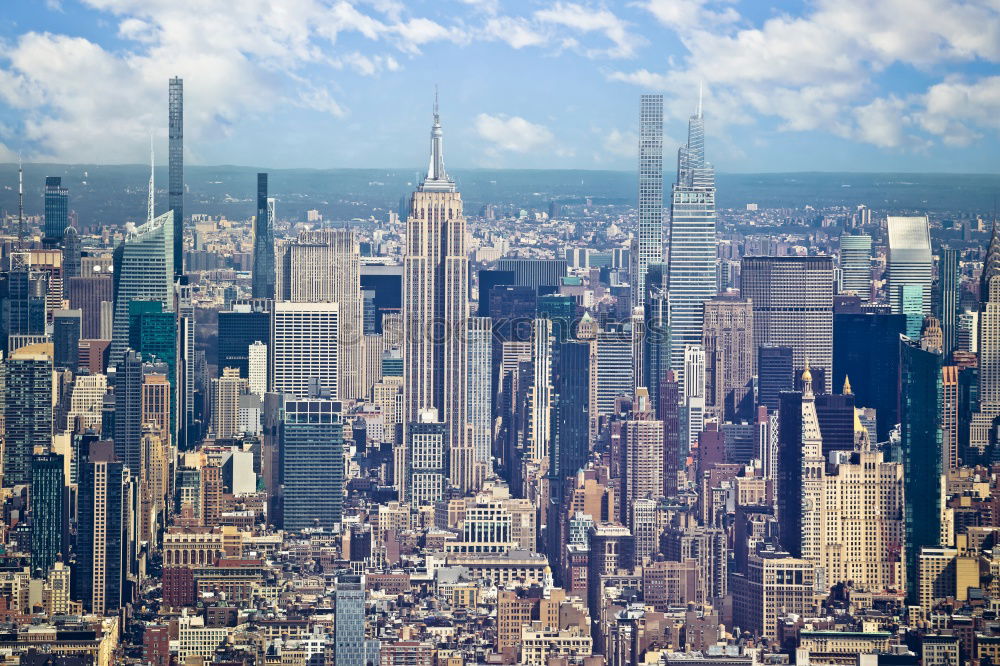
23,310
56,211
49,525
774,374
312,459
950,279
27,410
920,417
865,350
489,278
71,253
788,481
66,325
571,401
263,244
175,185
239,328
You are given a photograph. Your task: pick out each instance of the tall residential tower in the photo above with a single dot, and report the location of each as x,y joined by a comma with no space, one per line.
175,185
649,240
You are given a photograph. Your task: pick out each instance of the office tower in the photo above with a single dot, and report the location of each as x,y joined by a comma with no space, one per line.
144,271
27,410
435,297
669,413
571,400
775,585
920,418
982,432
909,261
950,421
775,373
312,463
793,307
86,295
730,358
540,391
912,307
49,517
836,415
693,394
24,308
56,211
648,246
71,253
175,184
226,393
101,552
535,273
866,351
128,406
324,267
153,333
642,456
489,278
480,384
304,350
248,322
812,467
349,629
856,265
949,274
426,466
257,368
614,375
691,254
66,325
386,283
263,245
788,474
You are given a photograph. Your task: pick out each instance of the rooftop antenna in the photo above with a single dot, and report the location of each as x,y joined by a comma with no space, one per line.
149,204
20,202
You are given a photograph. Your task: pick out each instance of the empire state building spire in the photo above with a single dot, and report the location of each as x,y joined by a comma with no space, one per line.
437,179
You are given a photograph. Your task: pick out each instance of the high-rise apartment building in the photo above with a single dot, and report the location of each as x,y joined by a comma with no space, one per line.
691,255
226,393
435,310
950,277
989,347
480,395
312,463
349,630
263,244
793,306
642,457
856,265
730,358
648,245
144,271
304,349
175,177
71,252
909,261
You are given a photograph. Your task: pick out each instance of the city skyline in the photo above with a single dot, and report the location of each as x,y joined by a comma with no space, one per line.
918,97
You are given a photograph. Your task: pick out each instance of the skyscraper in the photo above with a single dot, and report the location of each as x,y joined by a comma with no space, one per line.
49,519
304,350
856,265
909,260
951,285
312,459
349,630
480,394
435,309
426,468
66,326
730,358
648,247
27,410
263,244
56,211
324,266
793,307
175,184
144,271
692,249
982,431
71,253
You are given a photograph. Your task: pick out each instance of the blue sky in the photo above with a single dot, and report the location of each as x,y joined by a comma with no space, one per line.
854,85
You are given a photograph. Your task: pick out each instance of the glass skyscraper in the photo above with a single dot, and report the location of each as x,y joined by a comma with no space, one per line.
312,463
691,252
263,244
56,211
27,410
951,281
144,271
855,265
648,248
909,261
49,525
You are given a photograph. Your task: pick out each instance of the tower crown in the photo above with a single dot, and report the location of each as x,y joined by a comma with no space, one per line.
437,179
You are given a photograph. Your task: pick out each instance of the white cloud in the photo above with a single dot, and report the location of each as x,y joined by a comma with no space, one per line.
516,31
586,20
621,144
512,133
818,71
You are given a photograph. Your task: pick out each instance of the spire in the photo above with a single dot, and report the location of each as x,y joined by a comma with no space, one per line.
437,178
847,385
20,202
807,381
152,190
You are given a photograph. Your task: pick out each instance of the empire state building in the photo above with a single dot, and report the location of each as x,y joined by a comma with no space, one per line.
435,313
